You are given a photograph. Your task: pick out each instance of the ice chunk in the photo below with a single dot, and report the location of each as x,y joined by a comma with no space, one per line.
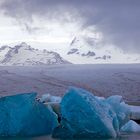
50,98
135,112
122,110
83,115
100,98
45,98
55,99
131,126
23,115
55,107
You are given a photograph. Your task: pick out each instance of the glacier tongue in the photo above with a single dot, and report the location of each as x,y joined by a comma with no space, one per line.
84,115
23,115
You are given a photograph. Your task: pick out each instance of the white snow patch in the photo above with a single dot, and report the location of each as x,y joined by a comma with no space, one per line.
50,98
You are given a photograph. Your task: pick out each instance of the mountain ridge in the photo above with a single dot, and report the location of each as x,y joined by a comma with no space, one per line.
24,54
88,50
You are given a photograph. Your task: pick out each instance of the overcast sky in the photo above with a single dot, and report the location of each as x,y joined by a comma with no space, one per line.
60,20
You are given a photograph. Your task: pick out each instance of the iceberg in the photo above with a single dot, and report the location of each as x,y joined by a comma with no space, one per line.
130,127
122,110
45,98
85,116
135,112
23,115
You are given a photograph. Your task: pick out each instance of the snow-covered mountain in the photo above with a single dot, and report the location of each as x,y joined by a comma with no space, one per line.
23,54
87,49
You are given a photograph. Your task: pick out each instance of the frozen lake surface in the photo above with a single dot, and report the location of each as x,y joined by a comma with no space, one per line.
102,80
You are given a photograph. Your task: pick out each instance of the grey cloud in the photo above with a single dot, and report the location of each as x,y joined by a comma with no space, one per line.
119,20
31,29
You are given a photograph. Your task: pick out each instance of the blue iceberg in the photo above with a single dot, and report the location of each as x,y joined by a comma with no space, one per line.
23,115
85,116
122,110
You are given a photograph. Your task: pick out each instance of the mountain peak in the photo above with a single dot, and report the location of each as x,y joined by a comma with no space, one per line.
73,41
23,54
4,47
24,44
86,49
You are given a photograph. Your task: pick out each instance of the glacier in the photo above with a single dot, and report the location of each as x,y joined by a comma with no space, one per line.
83,115
23,115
